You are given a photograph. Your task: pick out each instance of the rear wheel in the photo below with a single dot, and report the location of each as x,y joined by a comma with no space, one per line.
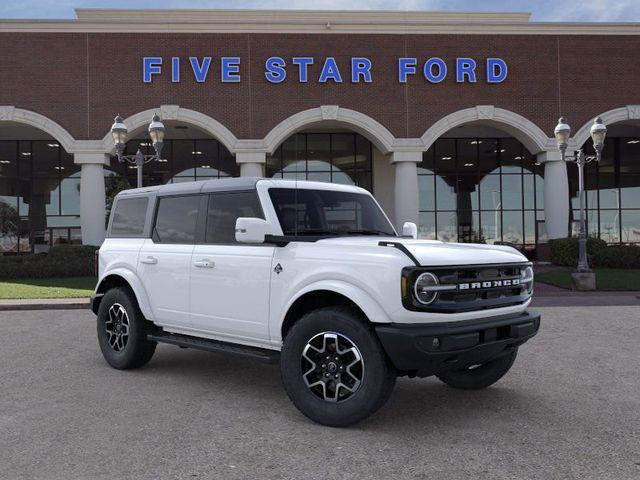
122,331
477,377
334,368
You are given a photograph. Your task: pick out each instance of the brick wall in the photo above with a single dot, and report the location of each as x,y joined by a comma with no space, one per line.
82,80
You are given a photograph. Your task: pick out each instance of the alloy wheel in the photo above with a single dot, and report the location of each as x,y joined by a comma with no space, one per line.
332,366
117,327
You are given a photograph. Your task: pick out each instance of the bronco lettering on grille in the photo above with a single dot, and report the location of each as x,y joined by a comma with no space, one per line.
508,282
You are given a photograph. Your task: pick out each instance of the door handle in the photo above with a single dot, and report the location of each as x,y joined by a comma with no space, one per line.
204,263
149,260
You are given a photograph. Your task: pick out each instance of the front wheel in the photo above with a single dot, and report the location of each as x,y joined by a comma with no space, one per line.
333,367
122,331
477,377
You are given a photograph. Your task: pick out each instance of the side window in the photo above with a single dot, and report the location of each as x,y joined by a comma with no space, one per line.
224,210
176,219
128,217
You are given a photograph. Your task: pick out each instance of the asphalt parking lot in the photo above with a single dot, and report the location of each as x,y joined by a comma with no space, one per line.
569,408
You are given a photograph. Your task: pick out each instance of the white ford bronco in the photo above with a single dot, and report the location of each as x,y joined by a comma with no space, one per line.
314,277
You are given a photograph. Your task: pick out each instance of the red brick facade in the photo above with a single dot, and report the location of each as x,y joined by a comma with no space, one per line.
80,80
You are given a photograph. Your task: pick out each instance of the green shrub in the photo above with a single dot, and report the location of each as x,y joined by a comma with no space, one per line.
618,256
564,251
61,261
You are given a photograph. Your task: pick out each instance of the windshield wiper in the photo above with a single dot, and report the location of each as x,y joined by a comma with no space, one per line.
316,232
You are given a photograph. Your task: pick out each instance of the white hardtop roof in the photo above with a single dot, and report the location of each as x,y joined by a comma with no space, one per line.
235,184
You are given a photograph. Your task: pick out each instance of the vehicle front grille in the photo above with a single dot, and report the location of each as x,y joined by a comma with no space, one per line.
475,287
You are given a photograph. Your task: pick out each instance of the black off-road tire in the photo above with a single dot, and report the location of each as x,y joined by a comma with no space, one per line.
136,350
481,376
377,375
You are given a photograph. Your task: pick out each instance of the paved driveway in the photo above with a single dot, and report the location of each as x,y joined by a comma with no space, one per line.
570,408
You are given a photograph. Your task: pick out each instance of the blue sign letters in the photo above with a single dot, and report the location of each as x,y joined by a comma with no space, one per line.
434,69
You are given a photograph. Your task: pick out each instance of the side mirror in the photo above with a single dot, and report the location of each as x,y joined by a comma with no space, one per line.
410,230
251,230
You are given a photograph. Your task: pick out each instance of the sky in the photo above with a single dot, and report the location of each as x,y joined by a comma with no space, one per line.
542,10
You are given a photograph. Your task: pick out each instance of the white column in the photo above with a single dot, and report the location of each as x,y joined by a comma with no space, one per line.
92,196
251,163
556,194
406,187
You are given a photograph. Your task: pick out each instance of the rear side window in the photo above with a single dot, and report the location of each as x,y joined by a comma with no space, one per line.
224,210
128,217
176,219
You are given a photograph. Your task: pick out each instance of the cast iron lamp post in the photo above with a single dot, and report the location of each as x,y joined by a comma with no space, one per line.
562,133
156,132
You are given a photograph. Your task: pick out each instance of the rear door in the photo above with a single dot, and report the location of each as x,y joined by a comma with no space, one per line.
165,259
230,281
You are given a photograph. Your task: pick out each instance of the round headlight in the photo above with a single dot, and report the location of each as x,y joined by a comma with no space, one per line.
526,279
424,288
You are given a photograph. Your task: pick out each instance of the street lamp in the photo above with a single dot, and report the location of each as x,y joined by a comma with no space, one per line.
562,133
119,133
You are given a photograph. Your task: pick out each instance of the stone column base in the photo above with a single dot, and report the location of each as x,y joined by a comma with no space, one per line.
583,281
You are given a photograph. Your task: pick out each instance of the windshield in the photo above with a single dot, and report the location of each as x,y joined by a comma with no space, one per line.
328,212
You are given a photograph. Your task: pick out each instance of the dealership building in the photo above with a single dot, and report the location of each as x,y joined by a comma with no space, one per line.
447,118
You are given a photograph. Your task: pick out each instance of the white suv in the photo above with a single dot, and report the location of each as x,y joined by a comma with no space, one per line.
311,276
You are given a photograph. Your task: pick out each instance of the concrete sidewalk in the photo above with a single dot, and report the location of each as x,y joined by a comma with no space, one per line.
43,304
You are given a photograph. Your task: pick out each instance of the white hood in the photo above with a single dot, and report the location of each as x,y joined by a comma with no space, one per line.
436,253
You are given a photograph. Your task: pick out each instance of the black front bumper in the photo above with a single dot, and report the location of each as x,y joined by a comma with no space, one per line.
427,349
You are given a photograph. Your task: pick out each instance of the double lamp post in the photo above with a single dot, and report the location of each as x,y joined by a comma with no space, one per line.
562,133
119,133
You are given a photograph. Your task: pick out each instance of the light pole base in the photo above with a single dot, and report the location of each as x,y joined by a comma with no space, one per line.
583,281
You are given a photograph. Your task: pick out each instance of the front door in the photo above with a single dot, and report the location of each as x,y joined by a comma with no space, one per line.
230,281
165,259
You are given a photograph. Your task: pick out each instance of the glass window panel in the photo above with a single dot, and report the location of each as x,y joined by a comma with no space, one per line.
59,236
629,156
630,196
426,192
24,160
45,193
469,227
318,152
9,219
592,222
228,166
426,166
512,227
529,227
610,225
511,155
343,151
176,219
608,198
128,217
445,156
67,167
427,225
529,163
362,179
343,178
320,176
529,191
490,198
488,155
491,223
293,175
445,194
206,158
70,196
8,159
76,236
182,164
539,192
293,153
63,221
363,153
273,167
467,154
45,159
512,192
631,226
223,212
447,226
467,192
